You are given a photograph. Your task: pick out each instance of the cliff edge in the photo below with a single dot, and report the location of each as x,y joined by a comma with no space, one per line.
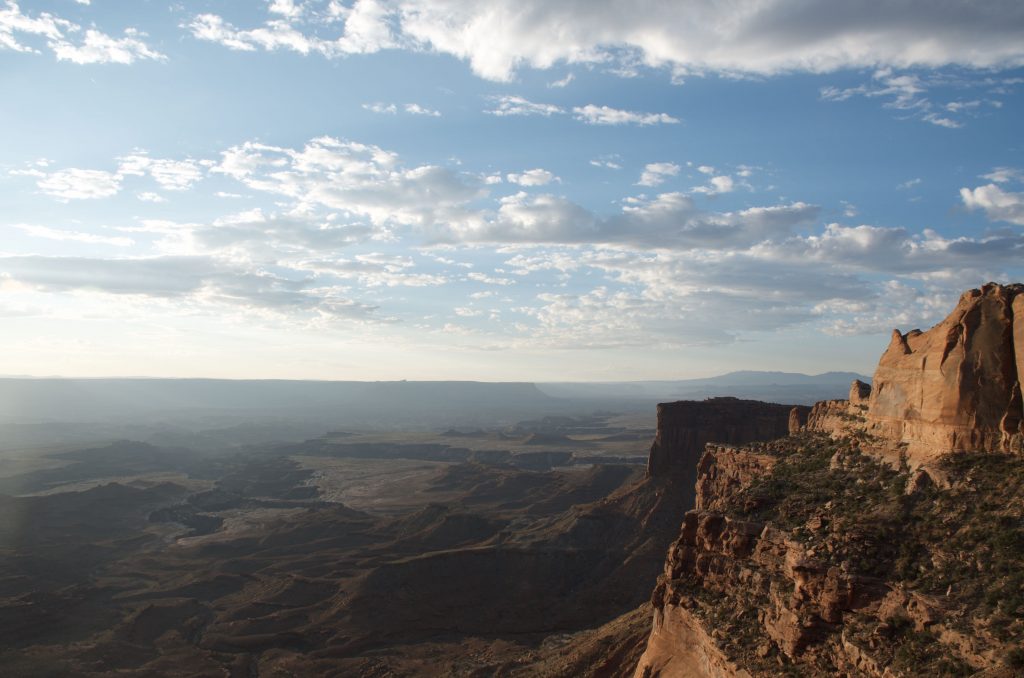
835,552
953,388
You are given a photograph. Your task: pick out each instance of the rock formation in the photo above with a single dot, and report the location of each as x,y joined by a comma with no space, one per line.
685,427
807,556
954,388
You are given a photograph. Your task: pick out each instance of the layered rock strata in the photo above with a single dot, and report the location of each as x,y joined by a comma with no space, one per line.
776,572
685,427
954,388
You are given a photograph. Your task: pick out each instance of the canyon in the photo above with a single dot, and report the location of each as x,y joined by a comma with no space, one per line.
877,535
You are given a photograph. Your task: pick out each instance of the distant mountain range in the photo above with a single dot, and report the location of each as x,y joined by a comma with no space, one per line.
780,387
54,399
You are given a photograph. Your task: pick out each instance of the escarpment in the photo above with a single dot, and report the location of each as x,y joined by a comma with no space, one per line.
807,557
954,388
833,551
685,427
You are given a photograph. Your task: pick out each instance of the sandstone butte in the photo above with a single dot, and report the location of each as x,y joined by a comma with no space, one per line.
743,594
953,388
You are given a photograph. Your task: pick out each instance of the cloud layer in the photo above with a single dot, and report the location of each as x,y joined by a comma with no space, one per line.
498,37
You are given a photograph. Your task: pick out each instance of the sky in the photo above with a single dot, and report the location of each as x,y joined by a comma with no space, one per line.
499,190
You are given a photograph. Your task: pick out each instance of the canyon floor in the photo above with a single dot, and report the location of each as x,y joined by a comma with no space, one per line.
465,552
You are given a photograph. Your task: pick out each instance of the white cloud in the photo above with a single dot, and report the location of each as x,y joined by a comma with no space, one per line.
719,184
100,48
357,179
416,109
367,29
1002,175
533,177
999,205
667,221
80,184
171,175
748,36
150,196
605,115
378,107
655,173
958,106
86,184
941,121
515,105
610,162
910,183
286,8
564,82
908,94
489,280
95,47
373,270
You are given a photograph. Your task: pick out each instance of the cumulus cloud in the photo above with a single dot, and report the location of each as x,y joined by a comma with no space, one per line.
498,37
998,205
533,177
605,115
79,184
667,221
896,250
89,184
62,38
358,179
655,173
172,175
366,28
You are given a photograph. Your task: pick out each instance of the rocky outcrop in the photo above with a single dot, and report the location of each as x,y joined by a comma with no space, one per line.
955,387
723,471
806,557
767,582
685,427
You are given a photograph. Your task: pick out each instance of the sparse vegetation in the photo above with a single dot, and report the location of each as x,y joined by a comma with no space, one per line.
961,547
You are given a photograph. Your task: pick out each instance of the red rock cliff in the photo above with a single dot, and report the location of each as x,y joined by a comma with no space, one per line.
955,387
685,427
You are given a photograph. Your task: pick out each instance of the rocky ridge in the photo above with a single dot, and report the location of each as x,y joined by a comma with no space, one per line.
859,545
953,388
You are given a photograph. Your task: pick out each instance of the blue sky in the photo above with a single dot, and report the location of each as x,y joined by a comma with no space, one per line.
388,189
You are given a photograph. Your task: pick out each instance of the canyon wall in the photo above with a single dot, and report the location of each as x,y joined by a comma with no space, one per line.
807,554
953,388
685,427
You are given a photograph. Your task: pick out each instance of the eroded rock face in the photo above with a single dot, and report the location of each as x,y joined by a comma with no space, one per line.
955,387
685,427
